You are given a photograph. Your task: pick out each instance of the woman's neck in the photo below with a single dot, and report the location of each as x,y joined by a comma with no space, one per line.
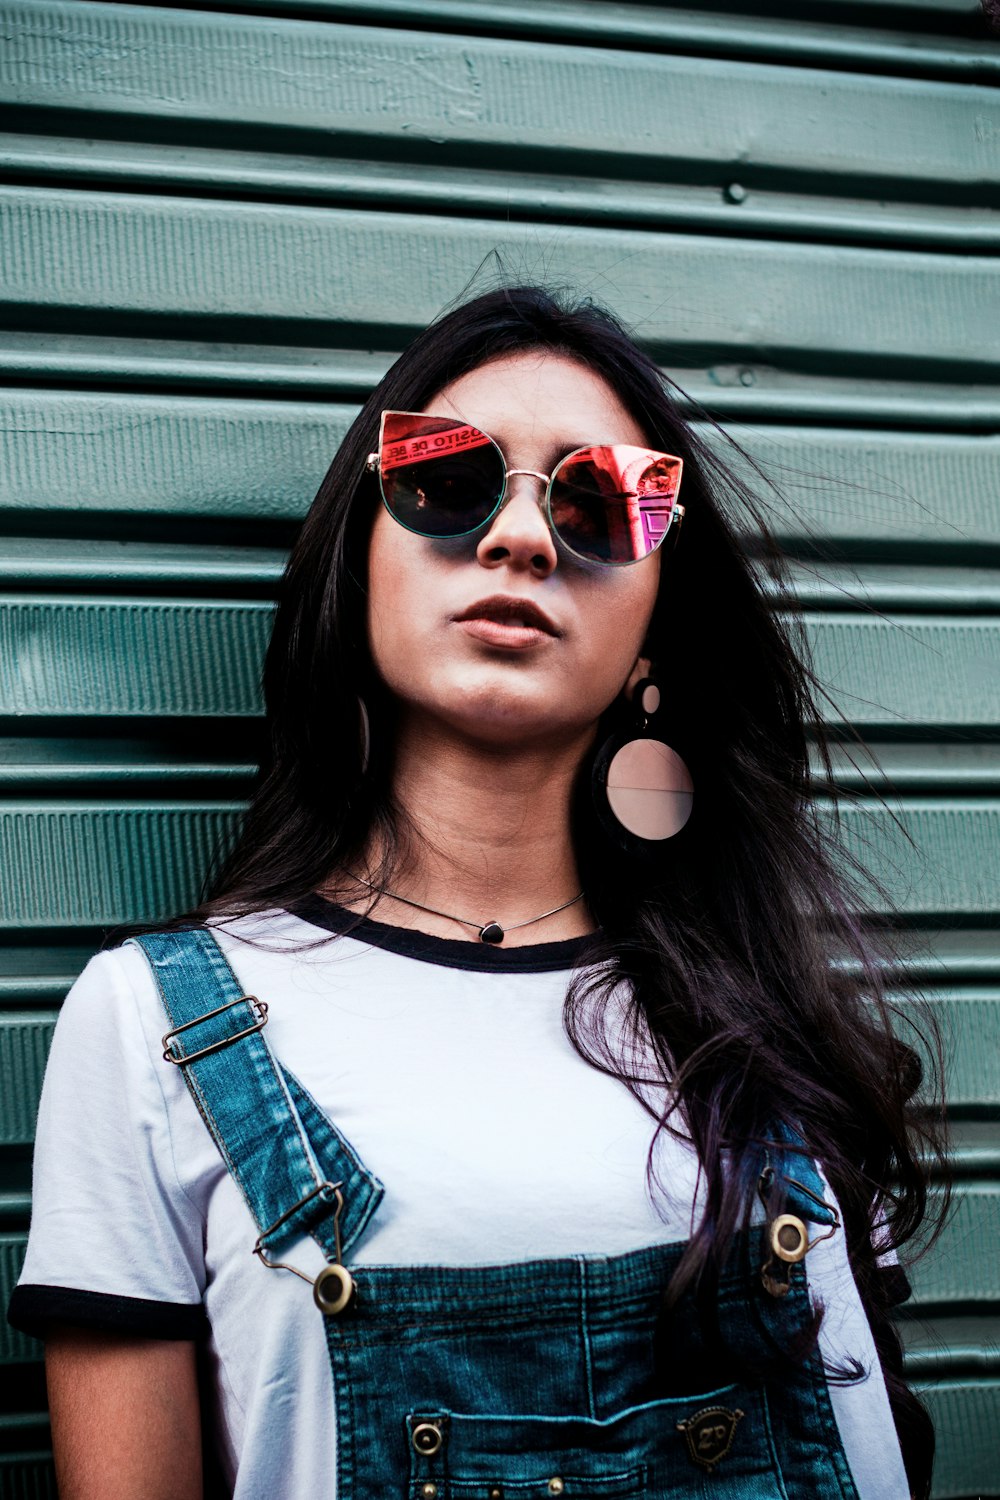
491,837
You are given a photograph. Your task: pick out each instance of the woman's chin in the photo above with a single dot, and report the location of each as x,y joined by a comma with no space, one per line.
496,717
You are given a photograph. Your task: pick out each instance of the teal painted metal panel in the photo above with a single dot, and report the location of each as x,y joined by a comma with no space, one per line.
184,456
37,975
969,1022
197,311
27,1476
749,391
481,93
170,455
910,671
858,487
965,1416
128,656
964,1266
808,38
494,192
134,255
75,864
918,588
93,657
947,1345
920,768
951,864
15,1347
971,1030
96,359
28,763
24,1046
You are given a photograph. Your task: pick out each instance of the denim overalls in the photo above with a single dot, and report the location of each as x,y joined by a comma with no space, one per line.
518,1381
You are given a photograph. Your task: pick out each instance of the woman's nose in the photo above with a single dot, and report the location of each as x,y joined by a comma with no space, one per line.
519,534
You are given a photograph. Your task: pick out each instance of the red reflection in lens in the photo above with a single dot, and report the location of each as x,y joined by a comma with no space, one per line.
440,476
409,438
615,503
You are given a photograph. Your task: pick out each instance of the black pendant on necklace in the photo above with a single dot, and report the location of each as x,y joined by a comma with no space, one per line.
491,933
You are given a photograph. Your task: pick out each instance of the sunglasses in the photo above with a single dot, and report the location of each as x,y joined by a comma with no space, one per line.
440,477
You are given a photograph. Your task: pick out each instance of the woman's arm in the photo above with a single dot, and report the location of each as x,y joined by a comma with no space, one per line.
125,1417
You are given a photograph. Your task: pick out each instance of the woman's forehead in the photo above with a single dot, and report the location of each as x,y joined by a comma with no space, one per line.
541,393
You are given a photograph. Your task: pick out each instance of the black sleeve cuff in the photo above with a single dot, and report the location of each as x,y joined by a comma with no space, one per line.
34,1309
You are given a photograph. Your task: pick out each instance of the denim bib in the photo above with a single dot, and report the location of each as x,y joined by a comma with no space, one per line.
521,1381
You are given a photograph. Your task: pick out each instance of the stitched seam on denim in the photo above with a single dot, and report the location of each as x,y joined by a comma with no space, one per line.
829,1431
631,1484
407,1338
363,1218
195,1089
597,1485
625,1415
201,1103
348,1149
441,1333
771,1447
832,1438
313,1164
218,960
344,1417
369,1193
585,1338
521,1292
486,1315
221,971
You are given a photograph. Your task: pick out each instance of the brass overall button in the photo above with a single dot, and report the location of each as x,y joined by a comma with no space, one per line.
428,1491
426,1438
333,1289
556,1486
789,1240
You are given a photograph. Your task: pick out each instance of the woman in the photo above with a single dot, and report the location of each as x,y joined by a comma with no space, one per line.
595,1162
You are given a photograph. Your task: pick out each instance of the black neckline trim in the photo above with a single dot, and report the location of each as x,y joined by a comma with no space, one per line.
448,953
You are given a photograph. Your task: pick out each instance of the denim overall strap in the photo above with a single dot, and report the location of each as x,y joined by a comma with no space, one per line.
277,1143
797,1178
790,1184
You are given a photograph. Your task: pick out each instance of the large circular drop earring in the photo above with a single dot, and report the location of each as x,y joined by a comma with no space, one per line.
642,788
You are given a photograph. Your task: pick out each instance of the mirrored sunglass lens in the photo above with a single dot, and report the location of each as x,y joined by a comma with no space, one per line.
614,504
439,478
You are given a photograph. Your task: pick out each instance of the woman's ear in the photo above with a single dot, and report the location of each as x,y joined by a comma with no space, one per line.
643,668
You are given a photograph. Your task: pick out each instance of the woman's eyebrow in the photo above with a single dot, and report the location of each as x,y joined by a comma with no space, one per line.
557,449
553,452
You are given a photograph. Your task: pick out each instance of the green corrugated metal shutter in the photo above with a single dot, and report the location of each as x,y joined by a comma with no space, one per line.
217,229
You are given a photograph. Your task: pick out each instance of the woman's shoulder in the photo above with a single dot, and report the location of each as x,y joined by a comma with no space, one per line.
103,998
122,973
115,1008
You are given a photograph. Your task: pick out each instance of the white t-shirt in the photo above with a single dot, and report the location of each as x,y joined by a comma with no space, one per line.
446,1066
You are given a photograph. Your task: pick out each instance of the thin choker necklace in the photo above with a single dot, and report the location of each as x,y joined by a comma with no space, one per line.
489,932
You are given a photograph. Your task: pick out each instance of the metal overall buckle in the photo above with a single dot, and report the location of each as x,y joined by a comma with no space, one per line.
259,1008
333,1288
787,1236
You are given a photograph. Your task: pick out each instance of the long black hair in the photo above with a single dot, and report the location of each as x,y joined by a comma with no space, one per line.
756,984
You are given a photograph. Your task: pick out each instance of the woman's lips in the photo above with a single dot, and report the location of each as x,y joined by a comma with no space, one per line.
507,621
504,633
